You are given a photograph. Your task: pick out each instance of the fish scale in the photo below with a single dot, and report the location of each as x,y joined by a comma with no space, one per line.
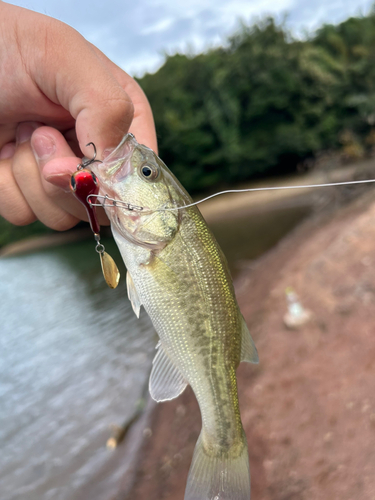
178,273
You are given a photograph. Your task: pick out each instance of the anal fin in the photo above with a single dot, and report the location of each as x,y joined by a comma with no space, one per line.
166,380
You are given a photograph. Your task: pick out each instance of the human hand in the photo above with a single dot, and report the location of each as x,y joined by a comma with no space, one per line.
58,93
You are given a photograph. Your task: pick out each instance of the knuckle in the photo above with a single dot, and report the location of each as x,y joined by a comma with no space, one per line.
121,113
20,217
7,151
13,207
120,105
62,222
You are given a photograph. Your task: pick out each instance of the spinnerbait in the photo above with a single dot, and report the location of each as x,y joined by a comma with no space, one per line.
83,183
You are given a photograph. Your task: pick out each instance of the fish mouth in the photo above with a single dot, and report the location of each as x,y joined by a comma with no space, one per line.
117,210
133,232
108,201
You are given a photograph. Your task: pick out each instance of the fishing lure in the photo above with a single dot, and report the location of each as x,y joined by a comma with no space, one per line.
84,183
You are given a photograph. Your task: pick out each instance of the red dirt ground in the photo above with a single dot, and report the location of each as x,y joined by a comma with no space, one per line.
308,408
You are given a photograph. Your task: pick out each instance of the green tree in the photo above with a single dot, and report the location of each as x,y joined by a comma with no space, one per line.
261,104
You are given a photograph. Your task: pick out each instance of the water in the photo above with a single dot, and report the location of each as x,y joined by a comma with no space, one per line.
74,359
246,237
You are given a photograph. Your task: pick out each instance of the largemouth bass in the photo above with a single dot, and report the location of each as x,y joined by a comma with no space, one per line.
177,272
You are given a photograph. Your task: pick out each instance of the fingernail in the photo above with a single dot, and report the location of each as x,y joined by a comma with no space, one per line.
25,131
7,151
43,147
60,180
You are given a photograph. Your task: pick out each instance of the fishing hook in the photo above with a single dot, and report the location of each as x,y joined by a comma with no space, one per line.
87,162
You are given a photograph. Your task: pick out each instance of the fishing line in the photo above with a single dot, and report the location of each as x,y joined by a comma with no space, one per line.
111,202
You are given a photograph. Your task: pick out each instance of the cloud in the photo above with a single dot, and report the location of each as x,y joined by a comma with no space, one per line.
136,35
310,15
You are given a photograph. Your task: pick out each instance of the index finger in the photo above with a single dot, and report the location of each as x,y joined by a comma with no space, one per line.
68,71
142,126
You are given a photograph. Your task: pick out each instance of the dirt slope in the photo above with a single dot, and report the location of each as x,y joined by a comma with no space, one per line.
309,408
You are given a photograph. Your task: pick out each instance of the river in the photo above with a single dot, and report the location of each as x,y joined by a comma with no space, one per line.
74,359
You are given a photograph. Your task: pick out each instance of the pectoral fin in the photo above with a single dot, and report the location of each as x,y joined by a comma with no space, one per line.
166,380
249,352
133,295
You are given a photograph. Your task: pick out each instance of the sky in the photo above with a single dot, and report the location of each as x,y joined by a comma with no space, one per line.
136,34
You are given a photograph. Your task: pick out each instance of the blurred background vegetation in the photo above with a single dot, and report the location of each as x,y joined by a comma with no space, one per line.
266,103
263,104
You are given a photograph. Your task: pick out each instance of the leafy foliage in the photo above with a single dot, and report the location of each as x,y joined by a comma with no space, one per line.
264,102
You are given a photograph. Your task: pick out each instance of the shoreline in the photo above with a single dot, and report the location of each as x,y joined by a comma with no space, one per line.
156,454
36,243
226,205
222,207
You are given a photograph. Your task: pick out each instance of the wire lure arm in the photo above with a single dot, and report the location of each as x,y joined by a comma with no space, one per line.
110,202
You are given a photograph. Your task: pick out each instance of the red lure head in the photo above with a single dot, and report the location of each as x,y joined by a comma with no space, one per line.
83,183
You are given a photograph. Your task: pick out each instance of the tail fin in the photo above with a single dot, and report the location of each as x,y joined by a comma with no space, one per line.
218,478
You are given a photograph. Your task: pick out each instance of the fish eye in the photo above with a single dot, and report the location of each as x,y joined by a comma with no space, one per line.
149,172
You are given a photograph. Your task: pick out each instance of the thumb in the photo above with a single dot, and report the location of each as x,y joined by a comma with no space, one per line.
56,162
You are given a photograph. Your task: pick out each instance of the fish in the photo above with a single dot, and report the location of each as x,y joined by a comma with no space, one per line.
178,273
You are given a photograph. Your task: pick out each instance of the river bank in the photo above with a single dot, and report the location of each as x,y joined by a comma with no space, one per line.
228,206
308,408
278,397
